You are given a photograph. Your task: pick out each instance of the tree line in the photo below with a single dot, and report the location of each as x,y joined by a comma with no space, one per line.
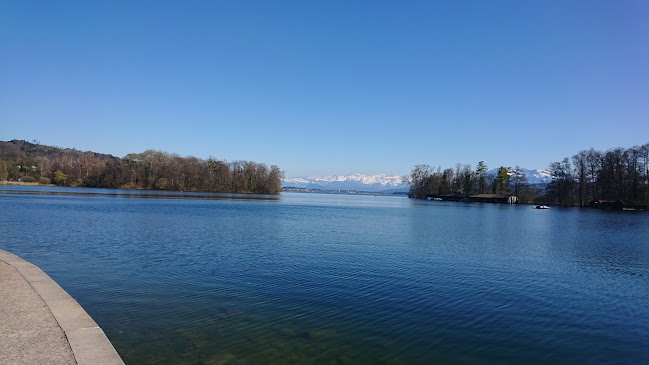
150,169
427,181
615,175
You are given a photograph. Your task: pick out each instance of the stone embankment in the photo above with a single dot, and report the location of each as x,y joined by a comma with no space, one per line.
41,324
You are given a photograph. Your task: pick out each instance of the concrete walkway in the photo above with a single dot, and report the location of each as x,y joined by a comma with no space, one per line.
41,324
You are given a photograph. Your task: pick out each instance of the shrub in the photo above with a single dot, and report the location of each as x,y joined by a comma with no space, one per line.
44,181
129,185
29,179
60,178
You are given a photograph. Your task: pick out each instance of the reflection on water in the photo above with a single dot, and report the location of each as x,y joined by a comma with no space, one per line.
314,278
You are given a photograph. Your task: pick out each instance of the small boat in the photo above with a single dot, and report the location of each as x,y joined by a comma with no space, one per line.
541,207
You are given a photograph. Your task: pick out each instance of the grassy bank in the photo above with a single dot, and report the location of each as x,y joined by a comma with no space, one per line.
5,182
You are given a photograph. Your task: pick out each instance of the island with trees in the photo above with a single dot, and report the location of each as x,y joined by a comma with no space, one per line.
617,179
156,170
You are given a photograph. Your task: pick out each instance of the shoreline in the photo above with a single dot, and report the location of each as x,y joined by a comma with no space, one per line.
6,182
20,183
46,324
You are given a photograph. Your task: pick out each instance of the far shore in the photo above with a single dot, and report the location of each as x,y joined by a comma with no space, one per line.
5,182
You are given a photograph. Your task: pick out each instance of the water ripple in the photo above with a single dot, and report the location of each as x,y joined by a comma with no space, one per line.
322,279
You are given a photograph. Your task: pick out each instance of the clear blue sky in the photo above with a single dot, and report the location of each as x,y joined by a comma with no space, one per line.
328,87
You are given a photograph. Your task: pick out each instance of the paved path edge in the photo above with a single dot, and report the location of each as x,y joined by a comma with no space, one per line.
88,341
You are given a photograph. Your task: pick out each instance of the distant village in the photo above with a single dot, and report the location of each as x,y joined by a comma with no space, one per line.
354,192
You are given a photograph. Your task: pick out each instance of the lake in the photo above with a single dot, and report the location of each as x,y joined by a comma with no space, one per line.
340,279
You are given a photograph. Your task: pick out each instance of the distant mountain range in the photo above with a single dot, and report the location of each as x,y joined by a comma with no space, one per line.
386,183
358,182
534,177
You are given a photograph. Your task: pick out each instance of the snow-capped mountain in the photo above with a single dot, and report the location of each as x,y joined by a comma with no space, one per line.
359,182
534,177
538,176
385,182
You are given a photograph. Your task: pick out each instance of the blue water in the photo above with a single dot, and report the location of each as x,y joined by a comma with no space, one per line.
340,279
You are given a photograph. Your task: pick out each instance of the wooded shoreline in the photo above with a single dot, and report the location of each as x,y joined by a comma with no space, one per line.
615,178
22,161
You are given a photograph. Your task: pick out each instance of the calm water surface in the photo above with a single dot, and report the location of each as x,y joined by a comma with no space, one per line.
340,279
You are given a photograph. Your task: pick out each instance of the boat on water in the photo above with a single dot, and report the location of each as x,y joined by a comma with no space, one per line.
541,207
